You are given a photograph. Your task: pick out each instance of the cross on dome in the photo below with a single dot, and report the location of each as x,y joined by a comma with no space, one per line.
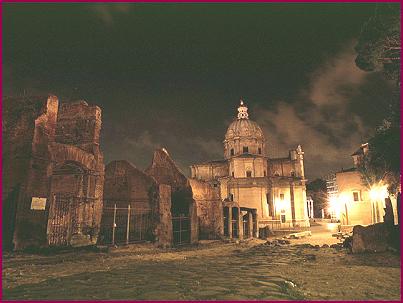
242,111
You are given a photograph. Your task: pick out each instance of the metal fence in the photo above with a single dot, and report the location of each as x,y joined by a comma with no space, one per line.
181,229
67,217
125,225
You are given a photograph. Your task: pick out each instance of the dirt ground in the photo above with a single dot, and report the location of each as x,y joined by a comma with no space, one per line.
212,270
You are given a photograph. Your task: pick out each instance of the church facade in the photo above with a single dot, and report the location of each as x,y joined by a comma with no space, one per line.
256,191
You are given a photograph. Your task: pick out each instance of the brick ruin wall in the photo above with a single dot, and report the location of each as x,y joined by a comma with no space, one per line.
34,147
209,209
164,171
28,129
124,186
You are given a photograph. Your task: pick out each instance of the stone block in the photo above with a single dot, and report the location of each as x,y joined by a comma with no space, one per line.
374,238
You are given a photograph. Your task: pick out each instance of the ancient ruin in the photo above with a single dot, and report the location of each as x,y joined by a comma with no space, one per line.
180,213
130,204
53,173
58,194
155,205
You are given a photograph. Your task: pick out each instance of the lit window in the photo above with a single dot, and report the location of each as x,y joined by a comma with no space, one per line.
248,174
245,149
356,196
232,151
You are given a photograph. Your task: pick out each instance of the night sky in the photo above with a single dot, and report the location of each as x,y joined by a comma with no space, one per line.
172,75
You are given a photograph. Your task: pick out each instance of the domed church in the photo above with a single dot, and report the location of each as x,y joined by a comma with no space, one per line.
257,192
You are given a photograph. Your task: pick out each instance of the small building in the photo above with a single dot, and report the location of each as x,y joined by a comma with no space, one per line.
256,191
357,203
53,173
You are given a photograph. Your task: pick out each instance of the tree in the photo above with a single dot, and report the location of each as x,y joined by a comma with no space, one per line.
379,43
318,192
378,49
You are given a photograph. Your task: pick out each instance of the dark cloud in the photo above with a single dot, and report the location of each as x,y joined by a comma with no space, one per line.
322,120
171,75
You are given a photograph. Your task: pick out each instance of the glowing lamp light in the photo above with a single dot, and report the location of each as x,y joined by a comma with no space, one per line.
280,205
377,192
335,204
344,198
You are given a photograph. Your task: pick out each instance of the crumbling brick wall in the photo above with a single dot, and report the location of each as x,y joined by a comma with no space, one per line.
28,130
77,143
164,171
163,216
209,209
79,124
124,186
35,149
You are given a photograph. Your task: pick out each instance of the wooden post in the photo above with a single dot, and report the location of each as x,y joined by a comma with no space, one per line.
128,224
114,225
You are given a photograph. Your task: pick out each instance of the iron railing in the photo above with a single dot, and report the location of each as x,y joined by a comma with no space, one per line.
125,225
181,229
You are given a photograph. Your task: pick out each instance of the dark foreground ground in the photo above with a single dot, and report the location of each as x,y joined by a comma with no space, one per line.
251,270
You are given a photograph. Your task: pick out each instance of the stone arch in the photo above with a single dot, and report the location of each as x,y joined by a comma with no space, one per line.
75,205
68,167
62,153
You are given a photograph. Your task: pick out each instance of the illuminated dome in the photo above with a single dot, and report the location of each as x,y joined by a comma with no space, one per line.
244,128
243,132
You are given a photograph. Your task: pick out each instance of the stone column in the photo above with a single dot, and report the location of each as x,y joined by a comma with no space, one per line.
256,232
240,224
250,222
230,222
292,203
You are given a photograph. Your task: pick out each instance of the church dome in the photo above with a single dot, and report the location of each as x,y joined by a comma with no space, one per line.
244,136
243,126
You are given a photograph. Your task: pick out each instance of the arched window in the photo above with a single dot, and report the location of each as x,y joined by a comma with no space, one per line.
232,152
259,150
248,174
292,173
